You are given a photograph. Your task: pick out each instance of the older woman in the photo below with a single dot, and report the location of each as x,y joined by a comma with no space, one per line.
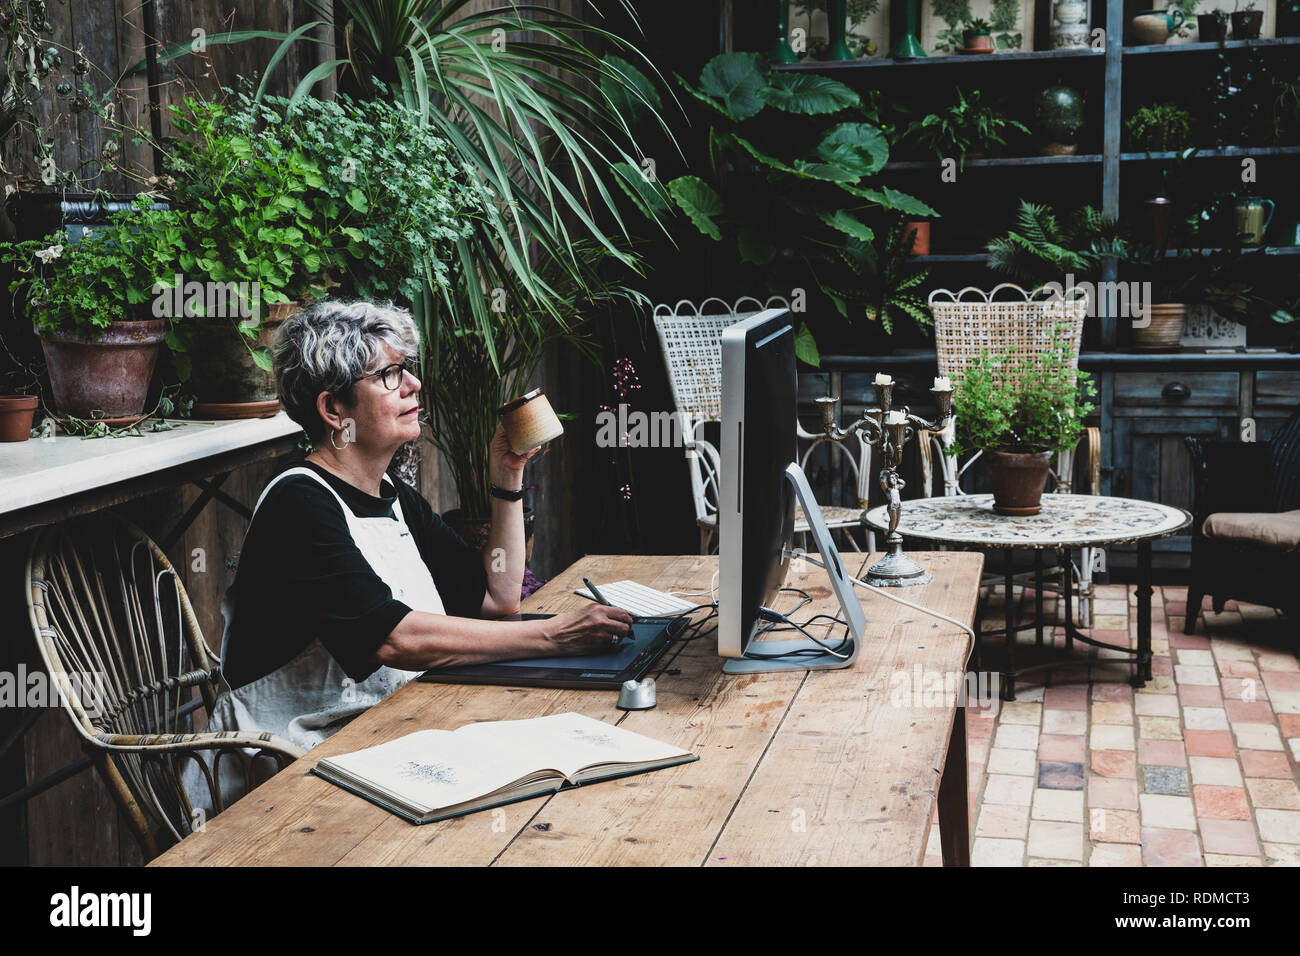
348,584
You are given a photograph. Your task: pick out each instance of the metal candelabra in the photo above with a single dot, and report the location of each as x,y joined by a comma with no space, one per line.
888,429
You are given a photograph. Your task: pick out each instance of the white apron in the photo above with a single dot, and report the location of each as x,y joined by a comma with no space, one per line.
310,697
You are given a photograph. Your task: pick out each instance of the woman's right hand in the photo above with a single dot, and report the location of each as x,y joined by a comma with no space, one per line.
589,631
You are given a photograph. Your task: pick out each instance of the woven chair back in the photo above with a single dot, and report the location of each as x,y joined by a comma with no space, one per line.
971,322
120,641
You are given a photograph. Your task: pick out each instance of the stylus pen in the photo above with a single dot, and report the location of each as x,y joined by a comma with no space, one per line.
595,592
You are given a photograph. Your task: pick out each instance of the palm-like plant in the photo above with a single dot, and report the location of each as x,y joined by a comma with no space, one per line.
1043,247
543,120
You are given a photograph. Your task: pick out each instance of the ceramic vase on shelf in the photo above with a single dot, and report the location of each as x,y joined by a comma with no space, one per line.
781,51
1153,27
905,26
1069,24
1059,119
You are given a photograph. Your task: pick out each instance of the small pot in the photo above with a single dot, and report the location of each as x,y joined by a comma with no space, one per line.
16,414
1246,24
920,233
105,376
1165,324
1018,480
1212,27
981,42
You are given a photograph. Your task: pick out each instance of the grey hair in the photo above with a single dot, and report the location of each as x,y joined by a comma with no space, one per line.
328,346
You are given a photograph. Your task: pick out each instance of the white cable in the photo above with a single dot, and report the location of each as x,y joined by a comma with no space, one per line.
711,592
892,597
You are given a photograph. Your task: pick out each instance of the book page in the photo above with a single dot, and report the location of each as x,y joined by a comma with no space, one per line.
569,742
438,768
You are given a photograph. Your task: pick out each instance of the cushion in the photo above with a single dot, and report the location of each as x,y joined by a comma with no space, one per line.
1279,530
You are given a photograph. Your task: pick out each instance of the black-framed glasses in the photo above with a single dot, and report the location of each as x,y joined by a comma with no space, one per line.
391,375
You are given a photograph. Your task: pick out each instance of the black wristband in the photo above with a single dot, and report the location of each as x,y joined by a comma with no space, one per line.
507,495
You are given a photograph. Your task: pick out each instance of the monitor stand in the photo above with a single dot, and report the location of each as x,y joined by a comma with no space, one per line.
840,584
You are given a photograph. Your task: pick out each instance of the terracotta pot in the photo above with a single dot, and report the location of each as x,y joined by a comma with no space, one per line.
1018,481
981,42
16,414
474,531
223,371
920,238
105,376
1165,327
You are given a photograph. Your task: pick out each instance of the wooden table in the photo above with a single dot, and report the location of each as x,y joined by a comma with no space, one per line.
812,768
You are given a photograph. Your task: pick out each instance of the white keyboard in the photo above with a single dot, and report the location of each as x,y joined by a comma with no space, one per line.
639,600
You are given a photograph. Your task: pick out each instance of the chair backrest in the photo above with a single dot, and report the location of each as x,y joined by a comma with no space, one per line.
120,641
1284,448
971,322
691,342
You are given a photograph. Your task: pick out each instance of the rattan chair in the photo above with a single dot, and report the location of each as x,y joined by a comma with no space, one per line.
691,342
968,326
118,636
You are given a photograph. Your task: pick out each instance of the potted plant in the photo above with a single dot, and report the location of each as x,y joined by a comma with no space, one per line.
976,37
967,128
1018,410
1044,246
1060,118
287,202
89,302
1212,27
1247,21
1160,127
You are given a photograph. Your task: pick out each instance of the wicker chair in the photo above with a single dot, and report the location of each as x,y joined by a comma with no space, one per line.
692,346
966,329
1240,478
118,636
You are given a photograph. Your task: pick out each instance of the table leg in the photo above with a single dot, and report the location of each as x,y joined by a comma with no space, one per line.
1012,619
954,808
1038,596
1067,589
1142,665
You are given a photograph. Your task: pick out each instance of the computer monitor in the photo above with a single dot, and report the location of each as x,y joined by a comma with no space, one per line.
761,482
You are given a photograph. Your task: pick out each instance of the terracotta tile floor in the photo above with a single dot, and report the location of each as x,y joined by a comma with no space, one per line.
1197,768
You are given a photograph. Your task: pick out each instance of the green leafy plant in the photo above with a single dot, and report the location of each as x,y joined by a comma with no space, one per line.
291,199
1023,404
1160,127
967,126
977,28
109,275
1043,246
885,286
791,164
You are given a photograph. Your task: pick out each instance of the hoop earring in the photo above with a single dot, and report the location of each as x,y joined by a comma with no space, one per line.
333,432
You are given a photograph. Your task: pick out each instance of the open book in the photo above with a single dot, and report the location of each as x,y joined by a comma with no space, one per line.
434,774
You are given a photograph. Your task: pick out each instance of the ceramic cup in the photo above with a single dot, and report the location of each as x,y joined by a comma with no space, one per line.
530,422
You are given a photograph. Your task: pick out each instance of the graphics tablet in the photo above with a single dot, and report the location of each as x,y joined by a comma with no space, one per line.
628,661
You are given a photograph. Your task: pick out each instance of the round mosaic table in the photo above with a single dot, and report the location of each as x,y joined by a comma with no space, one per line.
1065,522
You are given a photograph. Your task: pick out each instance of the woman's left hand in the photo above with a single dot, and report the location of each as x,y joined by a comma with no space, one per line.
507,468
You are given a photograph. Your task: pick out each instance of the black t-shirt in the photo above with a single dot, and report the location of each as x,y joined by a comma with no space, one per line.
301,576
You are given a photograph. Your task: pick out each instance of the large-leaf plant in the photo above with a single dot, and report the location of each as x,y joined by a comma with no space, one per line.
788,179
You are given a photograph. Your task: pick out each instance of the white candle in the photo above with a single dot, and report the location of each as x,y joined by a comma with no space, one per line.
883,378
942,383
895,418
